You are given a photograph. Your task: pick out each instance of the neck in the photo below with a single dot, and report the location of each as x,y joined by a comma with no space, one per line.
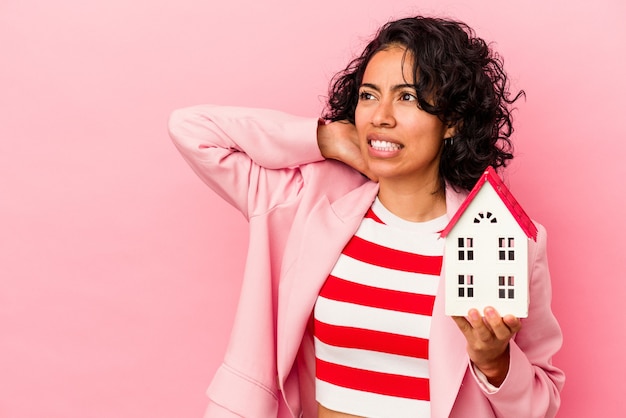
413,203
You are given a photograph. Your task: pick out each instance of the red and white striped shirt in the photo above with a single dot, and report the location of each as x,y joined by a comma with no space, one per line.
372,318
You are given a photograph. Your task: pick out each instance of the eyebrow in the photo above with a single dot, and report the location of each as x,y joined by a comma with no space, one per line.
394,88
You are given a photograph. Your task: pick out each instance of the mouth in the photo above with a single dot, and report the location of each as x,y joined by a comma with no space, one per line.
384,146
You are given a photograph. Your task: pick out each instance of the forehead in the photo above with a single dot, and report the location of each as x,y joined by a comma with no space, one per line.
393,63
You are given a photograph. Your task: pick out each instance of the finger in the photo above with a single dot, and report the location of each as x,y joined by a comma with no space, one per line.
364,169
502,330
480,329
487,324
462,323
366,172
514,324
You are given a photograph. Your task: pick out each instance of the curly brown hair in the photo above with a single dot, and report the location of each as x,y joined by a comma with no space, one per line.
458,78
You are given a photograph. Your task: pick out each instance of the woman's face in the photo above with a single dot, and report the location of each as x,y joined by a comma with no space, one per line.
399,141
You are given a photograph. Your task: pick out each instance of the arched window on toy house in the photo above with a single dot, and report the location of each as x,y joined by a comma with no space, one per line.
485,217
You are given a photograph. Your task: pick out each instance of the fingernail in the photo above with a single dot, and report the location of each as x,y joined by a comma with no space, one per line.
490,312
474,315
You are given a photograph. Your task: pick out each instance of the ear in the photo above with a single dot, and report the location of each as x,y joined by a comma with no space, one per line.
450,131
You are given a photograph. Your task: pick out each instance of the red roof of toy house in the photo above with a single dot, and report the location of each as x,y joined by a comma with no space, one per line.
505,195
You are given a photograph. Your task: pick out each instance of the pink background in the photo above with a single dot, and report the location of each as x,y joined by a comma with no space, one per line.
119,269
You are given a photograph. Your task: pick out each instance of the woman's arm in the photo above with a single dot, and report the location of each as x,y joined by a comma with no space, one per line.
532,384
250,157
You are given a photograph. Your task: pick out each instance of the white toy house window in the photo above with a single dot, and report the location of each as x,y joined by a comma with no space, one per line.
485,217
466,249
466,286
506,287
506,250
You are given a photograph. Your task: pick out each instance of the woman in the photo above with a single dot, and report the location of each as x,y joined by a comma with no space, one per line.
331,322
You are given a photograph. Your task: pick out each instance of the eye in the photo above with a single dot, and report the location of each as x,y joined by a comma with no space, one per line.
408,97
364,95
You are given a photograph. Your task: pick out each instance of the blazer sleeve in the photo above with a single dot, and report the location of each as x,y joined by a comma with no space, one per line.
533,385
250,157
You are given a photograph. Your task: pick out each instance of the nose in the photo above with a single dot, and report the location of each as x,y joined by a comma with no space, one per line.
383,115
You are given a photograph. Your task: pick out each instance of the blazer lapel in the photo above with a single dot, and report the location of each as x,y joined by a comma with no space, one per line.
324,234
447,357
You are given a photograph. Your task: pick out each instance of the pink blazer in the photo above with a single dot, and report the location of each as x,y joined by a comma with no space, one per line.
302,210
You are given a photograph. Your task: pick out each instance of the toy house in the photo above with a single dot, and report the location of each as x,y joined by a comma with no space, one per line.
486,251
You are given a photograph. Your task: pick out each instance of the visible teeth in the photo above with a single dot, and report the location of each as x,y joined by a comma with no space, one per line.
384,145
